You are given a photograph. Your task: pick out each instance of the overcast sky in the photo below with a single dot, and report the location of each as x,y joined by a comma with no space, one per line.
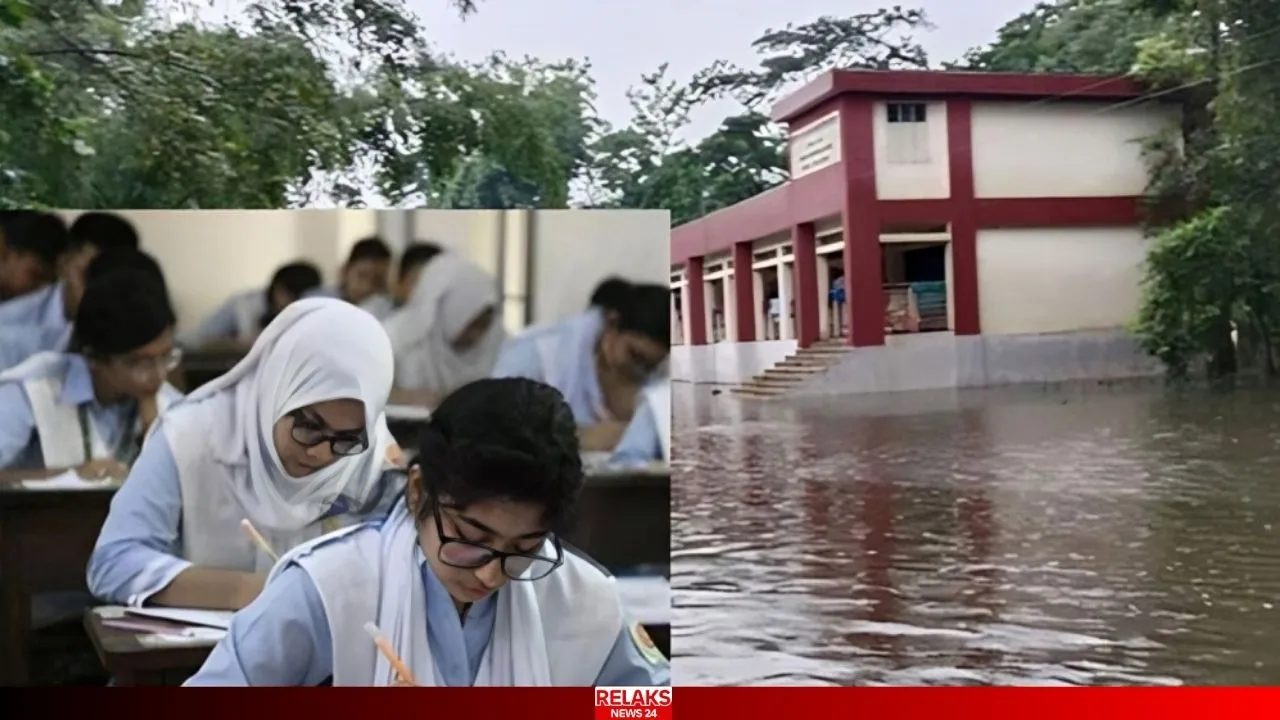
626,38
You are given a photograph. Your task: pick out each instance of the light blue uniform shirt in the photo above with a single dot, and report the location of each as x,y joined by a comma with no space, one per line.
39,307
224,323
577,336
576,347
33,323
641,443
19,440
19,342
379,305
139,551
282,639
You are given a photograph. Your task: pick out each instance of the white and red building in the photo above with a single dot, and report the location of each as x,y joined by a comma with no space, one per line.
979,228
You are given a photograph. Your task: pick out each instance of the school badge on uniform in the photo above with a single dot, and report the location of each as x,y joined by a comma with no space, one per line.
648,650
643,703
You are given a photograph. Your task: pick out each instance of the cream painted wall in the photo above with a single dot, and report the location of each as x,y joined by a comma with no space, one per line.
575,249
1061,279
207,255
1073,149
913,181
476,234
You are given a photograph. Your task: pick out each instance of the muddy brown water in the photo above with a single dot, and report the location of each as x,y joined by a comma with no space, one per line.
1094,535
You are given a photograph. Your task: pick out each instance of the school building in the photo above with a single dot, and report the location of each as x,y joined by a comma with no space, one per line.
940,229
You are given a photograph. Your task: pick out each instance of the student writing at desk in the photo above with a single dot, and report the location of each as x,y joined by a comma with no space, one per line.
88,408
363,278
239,320
290,436
466,577
41,320
601,361
448,333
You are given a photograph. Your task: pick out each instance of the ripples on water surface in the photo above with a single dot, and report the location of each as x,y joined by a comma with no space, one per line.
1066,537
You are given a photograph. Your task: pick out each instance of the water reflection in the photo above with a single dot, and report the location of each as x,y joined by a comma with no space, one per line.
1066,537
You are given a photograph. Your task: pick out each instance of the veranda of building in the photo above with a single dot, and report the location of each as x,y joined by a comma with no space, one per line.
977,226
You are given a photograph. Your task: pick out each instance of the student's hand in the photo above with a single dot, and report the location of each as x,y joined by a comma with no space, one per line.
148,411
602,437
102,469
401,682
250,587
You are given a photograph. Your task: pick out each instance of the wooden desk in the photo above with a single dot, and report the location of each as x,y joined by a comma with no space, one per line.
200,366
46,537
624,519
132,663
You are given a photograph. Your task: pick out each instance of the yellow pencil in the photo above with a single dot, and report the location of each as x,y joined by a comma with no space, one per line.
257,538
389,652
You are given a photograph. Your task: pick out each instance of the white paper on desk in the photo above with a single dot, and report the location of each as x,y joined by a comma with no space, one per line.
647,599
408,413
220,619
191,637
68,480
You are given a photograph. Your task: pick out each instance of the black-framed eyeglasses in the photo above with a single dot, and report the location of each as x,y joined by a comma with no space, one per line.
163,364
309,433
468,555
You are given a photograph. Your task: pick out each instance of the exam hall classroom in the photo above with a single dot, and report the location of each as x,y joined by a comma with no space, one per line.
108,319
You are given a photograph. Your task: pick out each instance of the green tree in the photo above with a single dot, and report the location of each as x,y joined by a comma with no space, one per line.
651,163
1215,263
1080,36
118,106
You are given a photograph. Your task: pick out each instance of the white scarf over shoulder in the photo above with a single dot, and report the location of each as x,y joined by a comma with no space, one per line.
450,293
558,630
222,434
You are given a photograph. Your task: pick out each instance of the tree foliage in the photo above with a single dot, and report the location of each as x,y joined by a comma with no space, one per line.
120,105
651,163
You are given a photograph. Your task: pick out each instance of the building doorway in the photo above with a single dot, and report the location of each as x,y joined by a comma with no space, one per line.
915,287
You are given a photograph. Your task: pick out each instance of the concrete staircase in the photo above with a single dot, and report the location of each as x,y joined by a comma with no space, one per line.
795,369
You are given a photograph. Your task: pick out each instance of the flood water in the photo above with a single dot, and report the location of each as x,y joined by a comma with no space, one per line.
1069,536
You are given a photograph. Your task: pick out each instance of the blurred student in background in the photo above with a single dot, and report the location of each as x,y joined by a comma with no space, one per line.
90,407
412,261
467,575
53,307
239,320
363,278
29,259
292,435
447,333
602,361
19,341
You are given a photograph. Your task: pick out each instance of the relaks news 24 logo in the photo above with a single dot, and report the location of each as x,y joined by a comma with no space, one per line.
641,703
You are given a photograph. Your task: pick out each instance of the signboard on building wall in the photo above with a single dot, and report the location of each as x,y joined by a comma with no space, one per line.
816,146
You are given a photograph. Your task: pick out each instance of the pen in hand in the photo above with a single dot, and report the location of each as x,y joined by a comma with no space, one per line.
403,673
258,540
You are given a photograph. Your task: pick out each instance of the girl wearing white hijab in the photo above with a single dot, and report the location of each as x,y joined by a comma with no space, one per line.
290,436
466,576
448,332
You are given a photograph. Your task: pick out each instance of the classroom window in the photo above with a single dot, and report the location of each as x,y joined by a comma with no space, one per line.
906,112
906,134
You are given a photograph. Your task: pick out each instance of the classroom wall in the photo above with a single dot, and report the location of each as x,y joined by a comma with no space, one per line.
207,255
573,250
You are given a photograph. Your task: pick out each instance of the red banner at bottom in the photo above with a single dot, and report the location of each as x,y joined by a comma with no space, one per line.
685,703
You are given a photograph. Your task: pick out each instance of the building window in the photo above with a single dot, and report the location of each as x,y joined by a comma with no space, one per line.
906,112
906,134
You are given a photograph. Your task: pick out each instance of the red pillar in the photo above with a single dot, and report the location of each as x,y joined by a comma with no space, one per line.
964,221
696,313
744,290
806,289
860,220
